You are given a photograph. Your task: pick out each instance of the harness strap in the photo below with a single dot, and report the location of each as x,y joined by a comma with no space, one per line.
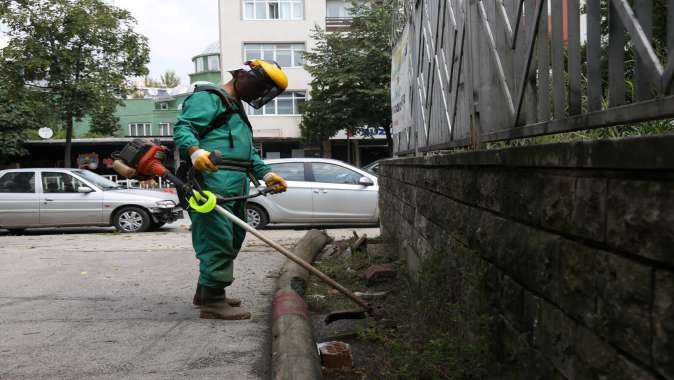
223,118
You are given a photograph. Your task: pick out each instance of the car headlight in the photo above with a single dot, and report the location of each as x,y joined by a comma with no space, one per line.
166,204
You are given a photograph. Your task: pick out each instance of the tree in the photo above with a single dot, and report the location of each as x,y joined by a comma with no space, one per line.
78,52
103,120
170,79
151,82
351,74
19,118
324,113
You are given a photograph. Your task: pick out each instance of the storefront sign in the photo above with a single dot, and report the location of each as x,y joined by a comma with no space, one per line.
365,133
87,161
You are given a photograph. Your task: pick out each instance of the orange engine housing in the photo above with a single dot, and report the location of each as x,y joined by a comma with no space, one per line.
152,162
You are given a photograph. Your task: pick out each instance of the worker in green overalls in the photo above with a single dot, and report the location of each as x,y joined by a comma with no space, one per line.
217,240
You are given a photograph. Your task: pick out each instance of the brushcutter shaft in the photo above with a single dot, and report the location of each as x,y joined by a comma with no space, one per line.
285,252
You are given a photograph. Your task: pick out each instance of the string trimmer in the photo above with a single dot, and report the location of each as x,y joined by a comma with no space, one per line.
143,158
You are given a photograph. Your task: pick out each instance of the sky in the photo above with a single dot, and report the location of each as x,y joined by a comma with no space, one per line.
177,30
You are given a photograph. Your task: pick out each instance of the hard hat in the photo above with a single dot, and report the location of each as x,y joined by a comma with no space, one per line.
270,74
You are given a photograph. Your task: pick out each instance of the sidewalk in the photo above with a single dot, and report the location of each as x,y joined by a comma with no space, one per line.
119,306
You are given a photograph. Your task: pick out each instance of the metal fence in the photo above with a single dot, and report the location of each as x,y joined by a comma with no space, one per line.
158,183
490,70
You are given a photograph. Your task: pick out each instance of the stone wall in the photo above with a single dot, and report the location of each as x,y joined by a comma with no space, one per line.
577,239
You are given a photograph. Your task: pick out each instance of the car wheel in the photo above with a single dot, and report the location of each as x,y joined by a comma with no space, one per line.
132,219
256,216
16,231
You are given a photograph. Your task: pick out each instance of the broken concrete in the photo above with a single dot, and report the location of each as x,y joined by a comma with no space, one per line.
336,355
378,273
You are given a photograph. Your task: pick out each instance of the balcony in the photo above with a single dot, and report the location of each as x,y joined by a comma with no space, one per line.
336,24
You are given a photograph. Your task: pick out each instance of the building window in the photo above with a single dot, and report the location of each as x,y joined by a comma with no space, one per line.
286,55
338,8
163,105
140,129
289,103
165,129
199,62
273,9
213,63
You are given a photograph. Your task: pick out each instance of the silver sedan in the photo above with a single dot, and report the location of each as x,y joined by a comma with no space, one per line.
75,197
321,192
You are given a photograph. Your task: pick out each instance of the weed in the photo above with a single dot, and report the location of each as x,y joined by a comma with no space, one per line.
437,326
443,331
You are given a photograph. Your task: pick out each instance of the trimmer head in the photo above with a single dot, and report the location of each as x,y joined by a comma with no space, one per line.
374,311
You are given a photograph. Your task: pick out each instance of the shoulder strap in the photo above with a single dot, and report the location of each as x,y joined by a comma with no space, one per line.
215,91
224,117
243,115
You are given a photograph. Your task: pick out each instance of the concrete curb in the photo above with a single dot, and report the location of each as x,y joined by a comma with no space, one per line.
294,352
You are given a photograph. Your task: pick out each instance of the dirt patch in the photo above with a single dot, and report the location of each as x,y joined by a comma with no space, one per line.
420,332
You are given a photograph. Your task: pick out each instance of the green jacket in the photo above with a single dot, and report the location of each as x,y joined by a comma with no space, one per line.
197,113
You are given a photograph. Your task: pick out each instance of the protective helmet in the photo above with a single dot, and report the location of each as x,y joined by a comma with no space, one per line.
271,80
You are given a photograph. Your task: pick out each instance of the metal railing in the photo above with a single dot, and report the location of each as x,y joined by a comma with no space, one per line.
337,22
159,183
489,70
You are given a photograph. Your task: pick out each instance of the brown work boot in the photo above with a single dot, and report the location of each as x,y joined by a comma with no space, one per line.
196,301
213,304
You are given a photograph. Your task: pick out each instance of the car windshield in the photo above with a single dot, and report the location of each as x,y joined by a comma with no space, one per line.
372,168
99,181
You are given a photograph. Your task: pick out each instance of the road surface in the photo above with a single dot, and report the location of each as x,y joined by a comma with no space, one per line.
94,304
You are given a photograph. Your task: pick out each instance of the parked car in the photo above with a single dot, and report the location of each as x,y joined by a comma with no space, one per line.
74,197
320,191
373,167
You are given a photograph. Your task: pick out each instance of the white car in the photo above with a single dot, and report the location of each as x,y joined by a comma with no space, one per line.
320,192
75,197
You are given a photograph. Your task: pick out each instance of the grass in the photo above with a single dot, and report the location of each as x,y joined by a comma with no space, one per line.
428,332
348,272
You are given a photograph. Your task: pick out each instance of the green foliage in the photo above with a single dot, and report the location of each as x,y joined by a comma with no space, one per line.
78,53
658,39
19,117
103,120
443,330
646,128
351,74
437,323
22,114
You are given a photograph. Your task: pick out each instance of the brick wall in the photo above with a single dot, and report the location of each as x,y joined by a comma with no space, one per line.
578,241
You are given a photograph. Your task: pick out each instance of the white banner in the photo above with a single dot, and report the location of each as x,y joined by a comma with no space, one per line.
400,85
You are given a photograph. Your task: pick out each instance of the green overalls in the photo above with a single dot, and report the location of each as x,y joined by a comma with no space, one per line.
215,239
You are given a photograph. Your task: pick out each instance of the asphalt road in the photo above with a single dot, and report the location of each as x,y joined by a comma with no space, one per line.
91,303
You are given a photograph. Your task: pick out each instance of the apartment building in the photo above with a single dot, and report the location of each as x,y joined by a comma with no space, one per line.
276,30
281,30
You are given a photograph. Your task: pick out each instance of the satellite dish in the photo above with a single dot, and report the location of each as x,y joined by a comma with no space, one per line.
45,133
